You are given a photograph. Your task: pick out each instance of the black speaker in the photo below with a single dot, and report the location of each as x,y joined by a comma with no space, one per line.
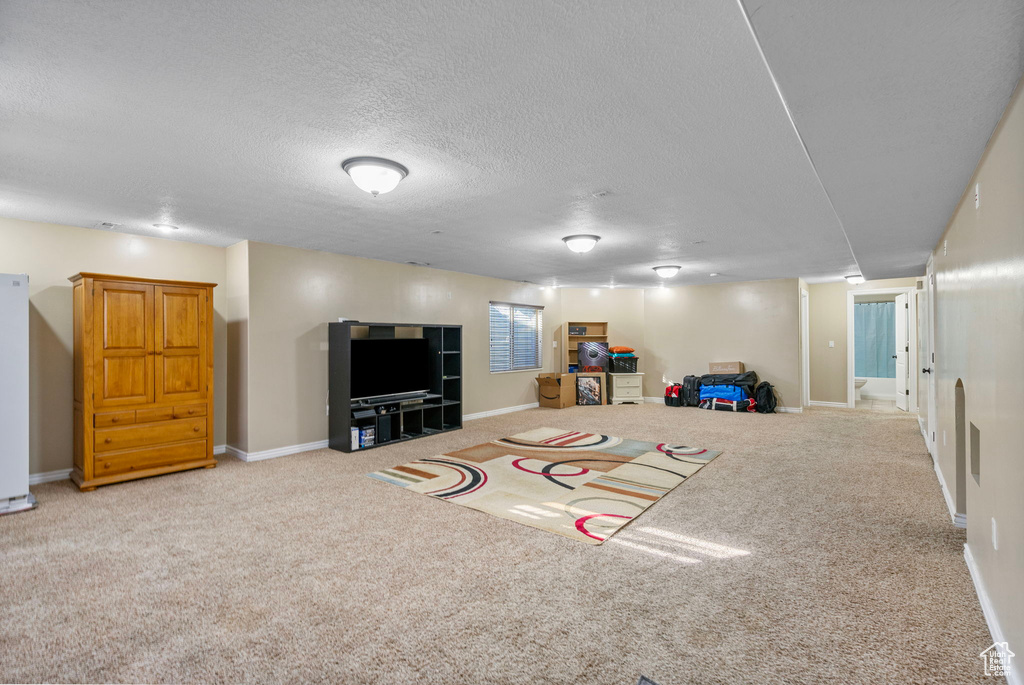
383,428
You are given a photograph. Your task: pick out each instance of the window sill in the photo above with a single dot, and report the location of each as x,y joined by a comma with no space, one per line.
534,368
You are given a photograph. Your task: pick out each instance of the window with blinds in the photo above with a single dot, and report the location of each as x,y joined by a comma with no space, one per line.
516,337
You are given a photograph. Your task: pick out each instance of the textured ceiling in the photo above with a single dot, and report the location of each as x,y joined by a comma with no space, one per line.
656,125
896,102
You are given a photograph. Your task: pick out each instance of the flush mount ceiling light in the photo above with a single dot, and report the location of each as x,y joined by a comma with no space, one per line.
374,174
165,227
856,279
581,243
667,271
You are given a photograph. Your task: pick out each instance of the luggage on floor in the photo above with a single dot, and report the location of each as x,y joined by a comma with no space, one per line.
747,381
729,405
723,392
672,394
764,395
691,391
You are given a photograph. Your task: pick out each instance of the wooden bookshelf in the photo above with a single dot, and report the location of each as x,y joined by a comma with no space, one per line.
597,331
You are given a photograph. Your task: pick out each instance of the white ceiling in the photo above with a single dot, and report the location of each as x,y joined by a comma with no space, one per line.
231,119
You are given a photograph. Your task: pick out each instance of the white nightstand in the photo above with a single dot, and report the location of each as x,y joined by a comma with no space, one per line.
627,387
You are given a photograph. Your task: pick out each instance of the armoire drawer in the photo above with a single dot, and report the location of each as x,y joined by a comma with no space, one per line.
124,461
154,414
113,418
189,410
109,439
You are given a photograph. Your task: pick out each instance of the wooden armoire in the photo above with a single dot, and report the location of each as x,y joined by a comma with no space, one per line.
143,390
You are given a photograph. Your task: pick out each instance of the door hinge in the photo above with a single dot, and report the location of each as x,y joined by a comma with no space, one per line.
906,306
908,391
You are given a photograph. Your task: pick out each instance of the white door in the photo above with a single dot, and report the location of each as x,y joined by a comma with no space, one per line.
902,351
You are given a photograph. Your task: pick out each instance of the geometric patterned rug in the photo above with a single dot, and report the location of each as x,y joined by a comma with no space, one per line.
584,486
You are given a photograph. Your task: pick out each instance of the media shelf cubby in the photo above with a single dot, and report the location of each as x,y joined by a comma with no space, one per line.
394,419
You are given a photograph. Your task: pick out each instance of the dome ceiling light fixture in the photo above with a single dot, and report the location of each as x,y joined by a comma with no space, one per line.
167,228
581,243
855,279
667,271
375,175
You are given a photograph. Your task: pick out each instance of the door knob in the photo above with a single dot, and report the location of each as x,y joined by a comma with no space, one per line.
926,370
894,356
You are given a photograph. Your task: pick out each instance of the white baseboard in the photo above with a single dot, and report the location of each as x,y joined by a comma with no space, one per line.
1014,676
48,476
277,452
841,405
497,412
789,410
655,400
959,520
891,398
219,449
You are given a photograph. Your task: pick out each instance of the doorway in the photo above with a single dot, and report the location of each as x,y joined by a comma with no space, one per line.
805,348
881,349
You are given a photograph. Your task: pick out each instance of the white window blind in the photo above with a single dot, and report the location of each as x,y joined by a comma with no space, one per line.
516,336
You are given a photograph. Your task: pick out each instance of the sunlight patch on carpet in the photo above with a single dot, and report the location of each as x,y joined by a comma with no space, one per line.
585,486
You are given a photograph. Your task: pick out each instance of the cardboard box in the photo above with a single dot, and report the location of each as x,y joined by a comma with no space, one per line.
556,390
725,367
603,388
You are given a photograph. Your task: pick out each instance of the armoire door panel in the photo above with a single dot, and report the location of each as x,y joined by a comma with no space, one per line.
124,343
181,343
124,316
181,375
125,378
181,309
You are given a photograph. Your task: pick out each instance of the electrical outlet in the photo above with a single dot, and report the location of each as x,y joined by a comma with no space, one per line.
554,343
943,438
831,343
977,195
945,247
449,294
324,347
995,536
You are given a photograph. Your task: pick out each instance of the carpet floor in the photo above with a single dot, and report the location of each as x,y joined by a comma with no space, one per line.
816,548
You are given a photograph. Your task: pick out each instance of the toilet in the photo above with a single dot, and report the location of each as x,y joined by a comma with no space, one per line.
858,383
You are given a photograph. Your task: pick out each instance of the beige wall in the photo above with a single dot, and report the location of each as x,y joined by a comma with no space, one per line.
236,288
755,322
980,339
622,308
293,293
49,254
827,304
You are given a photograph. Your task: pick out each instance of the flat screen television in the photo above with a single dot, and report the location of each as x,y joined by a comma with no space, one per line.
389,366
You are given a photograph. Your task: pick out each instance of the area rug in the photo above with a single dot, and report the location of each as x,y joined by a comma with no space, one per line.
584,486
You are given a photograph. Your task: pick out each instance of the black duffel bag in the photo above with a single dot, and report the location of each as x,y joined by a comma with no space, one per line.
747,381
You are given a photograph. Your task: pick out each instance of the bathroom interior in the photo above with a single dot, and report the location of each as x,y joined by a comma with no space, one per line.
881,349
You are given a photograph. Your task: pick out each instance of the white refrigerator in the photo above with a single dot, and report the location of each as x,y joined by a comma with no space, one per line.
14,494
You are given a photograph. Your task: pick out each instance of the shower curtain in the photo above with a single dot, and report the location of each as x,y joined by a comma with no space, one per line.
874,339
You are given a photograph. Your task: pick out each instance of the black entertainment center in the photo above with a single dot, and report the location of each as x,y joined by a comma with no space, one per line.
392,382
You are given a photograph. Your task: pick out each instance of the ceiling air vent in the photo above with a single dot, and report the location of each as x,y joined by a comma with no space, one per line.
418,263
107,225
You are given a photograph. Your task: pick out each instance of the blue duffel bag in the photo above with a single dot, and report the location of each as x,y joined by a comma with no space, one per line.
723,392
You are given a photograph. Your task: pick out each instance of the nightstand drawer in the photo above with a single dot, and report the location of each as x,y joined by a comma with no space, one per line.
627,381
623,393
